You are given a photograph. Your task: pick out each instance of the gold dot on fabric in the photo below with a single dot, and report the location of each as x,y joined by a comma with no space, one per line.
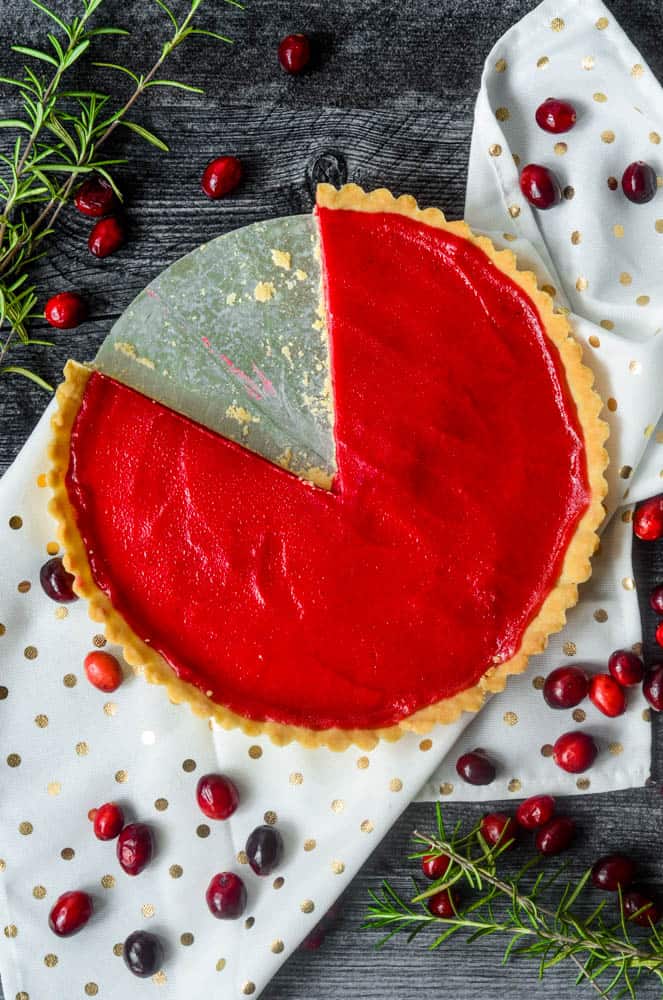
612,404
176,871
337,867
613,183
3,692
516,159
655,138
367,826
277,946
110,709
500,65
542,62
618,230
588,62
161,805
510,718
188,765
495,149
615,748
502,114
255,752
569,649
50,961
310,844
296,778
362,763
148,909
515,785
30,653
547,750
54,788
220,965
628,583
307,906
560,148
602,23
69,680
3,629
637,70
242,858
107,881
11,930
648,431
160,978
91,989
514,211
118,949
576,237
39,892
82,749
579,715
121,777
3,865
446,788
248,988
582,284
600,615
15,522
625,471
569,192
538,683
600,97
627,516
646,715
278,883
659,440
583,784
549,290
338,805
25,828
52,548
67,853
41,721
510,237
625,278
22,996
557,24
642,300
658,225
249,922
14,760
24,587
99,641
425,745
186,939
608,136
203,830
270,817
395,785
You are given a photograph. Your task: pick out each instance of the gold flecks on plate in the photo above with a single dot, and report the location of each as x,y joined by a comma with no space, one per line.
277,946
367,826
583,784
69,680
646,714
569,192
337,867
362,763
425,745
569,649
110,709
625,471
637,70
24,586
99,640
547,750
627,516
612,404
310,844
628,583
655,138
11,930
22,996
54,788
613,183
121,777
15,522
515,785
91,989
582,284
270,817
502,114
642,300
39,892
500,66
600,615
30,653
160,978
148,909
220,965
600,97
625,278
107,881
538,683
41,721
395,785
307,906
615,748
576,237
255,752
542,62
161,805
516,159
82,749
495,149
14,760
248,988
588,62
188,765
560,148
618,230
278,882
3,865
296,778
579,715
249,922
514,211
242,858
510,718
338,805
658,225
203,830
118,949
186,939
25,828
446,788
67,853
50,960
608,136
510,237
602,23
557,24
176,871
648,431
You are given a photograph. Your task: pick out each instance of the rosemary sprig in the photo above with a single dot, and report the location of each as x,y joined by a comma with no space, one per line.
604,953
58,141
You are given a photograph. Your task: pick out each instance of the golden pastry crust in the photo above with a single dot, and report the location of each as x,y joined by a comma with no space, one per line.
552,614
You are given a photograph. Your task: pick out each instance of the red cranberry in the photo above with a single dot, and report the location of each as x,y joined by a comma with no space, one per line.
134,848
106,237
575,752
217,796
95,197
648,520
294,53
56,582
639,182
659,634
444,904
555,116
143,954
565,687
634,900
71,911
653,687
435,865
656,600
626,667
103,670
555,836
535,811
476,768
65,310
221,176
607,695
226,896
612,871
264,848
540,186
498,828
108,821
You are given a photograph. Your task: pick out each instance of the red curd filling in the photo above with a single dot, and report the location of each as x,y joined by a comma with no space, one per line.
461,478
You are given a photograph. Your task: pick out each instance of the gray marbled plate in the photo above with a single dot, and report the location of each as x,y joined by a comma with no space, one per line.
231,335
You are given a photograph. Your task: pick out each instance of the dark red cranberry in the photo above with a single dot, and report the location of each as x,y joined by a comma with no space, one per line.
56,582
95,197
656,600
103,670
648,520
626,667
221,176
71,911
217,796
65,310
612,871
639,182
226,896
134,848
658,634
264,848
653,687
555,116
540,186
607,695
143,954
498,828
476,768
294,53
565,687
108,821
435,865
575,752
535,811
106,237
555,836
444,904
633,900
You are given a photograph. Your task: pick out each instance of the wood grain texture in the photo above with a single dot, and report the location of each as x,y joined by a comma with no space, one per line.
388,101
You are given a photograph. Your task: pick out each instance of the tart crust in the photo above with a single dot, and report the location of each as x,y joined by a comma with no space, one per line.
552,614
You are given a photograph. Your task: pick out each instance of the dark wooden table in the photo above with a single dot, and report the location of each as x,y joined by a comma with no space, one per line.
388,101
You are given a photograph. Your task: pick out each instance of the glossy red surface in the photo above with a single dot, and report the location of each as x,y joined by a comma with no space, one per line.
461,476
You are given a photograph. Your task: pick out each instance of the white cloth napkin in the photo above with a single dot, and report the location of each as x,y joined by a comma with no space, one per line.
66,747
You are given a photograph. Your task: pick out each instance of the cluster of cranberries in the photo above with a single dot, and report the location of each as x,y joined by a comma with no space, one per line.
648,527
540,185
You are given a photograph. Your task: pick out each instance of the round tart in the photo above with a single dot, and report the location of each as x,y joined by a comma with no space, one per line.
461,518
